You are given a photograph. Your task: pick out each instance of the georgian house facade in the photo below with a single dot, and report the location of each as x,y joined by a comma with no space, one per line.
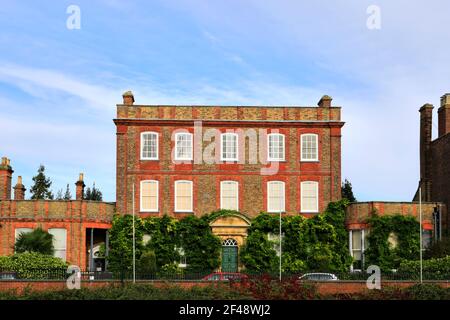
184,160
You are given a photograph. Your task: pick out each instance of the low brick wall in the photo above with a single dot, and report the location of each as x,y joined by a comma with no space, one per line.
322,287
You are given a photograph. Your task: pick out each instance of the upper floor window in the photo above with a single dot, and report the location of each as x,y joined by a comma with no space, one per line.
229,195
275,196
309,147
149,196
309,196
59,242
149,146
229,147
276,147
183,146
183,196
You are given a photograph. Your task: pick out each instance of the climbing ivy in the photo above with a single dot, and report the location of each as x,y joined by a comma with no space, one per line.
380,252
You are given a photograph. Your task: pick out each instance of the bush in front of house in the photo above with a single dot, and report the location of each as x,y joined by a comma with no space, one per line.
33,265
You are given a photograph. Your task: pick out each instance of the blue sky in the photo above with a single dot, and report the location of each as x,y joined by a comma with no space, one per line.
59,87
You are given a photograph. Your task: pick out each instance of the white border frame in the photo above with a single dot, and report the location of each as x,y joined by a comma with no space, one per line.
157,196
142,145
176,146
301,197
301,147
268,147
237,194
54,239
268,197
221,146
175,197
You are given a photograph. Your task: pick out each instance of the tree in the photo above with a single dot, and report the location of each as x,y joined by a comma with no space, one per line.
41,187
94,194
347,191
37,240
59,195
67,195
439,249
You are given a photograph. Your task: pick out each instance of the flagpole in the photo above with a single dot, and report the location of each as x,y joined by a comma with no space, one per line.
280,238
420,224
134,244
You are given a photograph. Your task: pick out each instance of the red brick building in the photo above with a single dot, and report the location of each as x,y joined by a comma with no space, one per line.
197,159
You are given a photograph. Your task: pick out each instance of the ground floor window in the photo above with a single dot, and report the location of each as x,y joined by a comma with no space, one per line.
357,247
59,242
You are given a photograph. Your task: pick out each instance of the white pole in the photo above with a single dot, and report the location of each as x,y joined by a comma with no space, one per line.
280,237
420,223
134,244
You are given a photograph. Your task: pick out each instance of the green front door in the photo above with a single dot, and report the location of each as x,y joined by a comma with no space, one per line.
229,258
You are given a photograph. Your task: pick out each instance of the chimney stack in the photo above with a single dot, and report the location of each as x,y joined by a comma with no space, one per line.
128,98
79,188
426,122
325,102
5,179
444,115
19,189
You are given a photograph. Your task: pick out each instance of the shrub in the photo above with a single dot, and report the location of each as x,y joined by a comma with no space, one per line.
33,265
438,249
438,268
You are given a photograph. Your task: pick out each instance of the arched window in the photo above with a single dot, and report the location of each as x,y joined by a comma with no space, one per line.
275,196
229,195
229,147
309,147
149,195
309,196
275,147
149,146
230,242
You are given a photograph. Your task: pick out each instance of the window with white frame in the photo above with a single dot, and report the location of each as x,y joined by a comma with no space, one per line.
59,242
229,147
183,146
357,244
309,196
183,196
275,196
309,147
149,146
276,147
229,195
149,195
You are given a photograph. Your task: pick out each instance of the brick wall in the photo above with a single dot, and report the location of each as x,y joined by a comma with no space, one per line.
358,213
440,172
290,121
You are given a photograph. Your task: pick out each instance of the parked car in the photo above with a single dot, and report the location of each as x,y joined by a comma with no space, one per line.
8,276
318,276
224,276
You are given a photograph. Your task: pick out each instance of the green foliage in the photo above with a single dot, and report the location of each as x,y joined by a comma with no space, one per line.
438,249
380,252
318,243
133,292
222,213
347,191
28,265
163,239
121,242
41,186
67,194
201,246
147,263
258,254
438,266
37,240
94,194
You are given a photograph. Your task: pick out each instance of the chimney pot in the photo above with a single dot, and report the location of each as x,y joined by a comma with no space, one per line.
79,191
5,179
325,102
128,98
